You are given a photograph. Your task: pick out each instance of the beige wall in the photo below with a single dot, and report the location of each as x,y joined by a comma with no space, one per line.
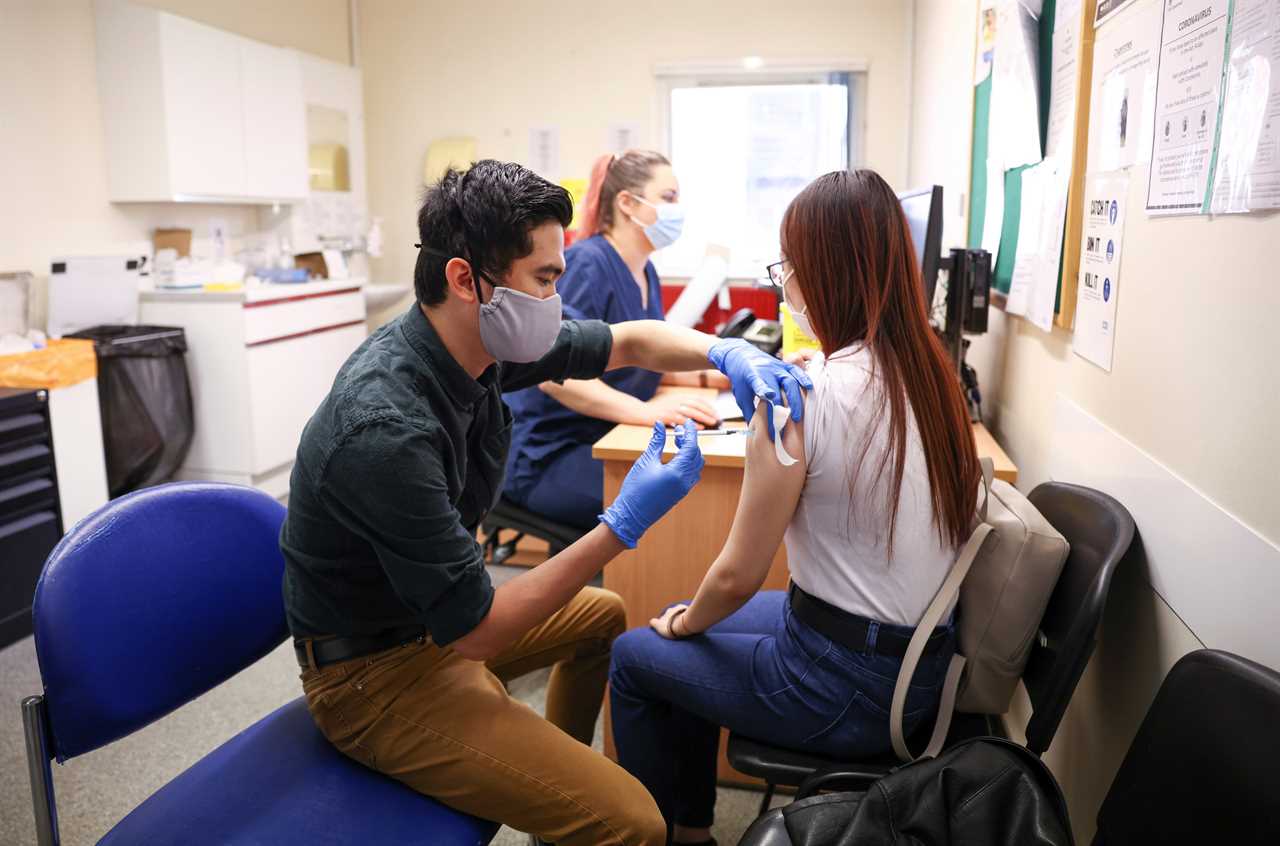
494,70
53,170
1193,385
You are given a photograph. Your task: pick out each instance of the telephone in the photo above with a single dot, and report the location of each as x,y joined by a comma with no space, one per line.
765,335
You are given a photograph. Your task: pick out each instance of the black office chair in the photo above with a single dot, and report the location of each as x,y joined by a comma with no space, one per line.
1100,531
1204,766
507,516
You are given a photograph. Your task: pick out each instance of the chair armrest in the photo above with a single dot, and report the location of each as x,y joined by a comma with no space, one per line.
838,776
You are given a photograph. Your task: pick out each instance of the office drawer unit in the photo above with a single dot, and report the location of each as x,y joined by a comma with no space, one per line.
30,521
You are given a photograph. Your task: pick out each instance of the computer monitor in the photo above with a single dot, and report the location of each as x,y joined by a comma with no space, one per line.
923,209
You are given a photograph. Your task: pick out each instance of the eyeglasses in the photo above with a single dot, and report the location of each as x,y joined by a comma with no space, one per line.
777,275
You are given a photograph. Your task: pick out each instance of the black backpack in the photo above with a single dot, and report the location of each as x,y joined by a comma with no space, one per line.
983,791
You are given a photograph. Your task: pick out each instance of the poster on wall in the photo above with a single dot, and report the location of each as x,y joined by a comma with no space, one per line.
1061,132
544,152
1105,201
986,41
1107,8
1247,173
1122,105
1189,87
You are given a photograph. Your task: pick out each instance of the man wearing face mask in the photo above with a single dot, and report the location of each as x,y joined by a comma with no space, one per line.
404,644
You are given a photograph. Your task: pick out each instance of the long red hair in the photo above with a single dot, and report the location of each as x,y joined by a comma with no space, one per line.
853,260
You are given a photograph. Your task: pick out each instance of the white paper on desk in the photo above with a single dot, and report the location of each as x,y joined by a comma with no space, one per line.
1014,139
1247,175
1106,199
1034,288
1061,134
1189,86
1122,105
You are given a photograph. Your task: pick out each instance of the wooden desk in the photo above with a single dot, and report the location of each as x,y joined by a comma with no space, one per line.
669,562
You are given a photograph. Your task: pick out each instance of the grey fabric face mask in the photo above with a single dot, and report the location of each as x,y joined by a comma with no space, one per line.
519,327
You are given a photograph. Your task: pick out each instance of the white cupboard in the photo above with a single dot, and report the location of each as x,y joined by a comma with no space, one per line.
194,113
260,362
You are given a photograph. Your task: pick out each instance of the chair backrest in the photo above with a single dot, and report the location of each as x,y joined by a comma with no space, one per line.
152,600
1205,764
1100,531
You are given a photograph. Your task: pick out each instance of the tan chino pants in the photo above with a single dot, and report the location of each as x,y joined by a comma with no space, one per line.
446,727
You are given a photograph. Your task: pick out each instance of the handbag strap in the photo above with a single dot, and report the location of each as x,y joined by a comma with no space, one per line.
949,589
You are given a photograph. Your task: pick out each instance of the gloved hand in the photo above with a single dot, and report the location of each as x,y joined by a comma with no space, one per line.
754,373
652,488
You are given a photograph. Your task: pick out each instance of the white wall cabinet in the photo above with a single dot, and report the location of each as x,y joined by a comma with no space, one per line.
193,113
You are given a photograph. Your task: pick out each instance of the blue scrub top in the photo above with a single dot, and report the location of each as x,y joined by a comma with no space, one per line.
596,284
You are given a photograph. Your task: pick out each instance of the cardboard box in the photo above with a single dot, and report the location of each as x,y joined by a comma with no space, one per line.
178,239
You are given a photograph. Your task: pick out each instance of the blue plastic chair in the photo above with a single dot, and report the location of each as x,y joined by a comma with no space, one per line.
155,599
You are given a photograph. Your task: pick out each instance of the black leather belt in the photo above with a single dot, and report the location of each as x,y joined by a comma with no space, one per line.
334,650
851,630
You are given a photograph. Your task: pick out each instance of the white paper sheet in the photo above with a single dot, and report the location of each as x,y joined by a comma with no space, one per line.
544,152
1061,133
1247,175
1188,93
1015,98
1122,105
1106,200
993,216
1034,288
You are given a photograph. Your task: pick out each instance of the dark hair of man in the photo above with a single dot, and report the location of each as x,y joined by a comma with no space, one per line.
484,214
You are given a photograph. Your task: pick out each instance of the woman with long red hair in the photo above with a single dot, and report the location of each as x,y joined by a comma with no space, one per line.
873,493
631,210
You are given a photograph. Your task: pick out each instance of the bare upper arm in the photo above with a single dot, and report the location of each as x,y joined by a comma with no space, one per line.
770,493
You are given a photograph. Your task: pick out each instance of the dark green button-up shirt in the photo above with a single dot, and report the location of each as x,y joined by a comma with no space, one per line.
395,470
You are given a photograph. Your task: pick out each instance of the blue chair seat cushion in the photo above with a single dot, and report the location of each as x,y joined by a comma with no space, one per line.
281,782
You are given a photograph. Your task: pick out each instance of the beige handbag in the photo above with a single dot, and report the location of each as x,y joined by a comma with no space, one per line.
1005,574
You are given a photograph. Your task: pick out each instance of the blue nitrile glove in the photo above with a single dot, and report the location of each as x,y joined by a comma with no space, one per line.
754,373
651,488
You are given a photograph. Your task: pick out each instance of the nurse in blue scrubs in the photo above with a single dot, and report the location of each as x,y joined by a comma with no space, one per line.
631,210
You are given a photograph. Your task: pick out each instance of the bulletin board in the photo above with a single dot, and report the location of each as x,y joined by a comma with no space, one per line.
1069,264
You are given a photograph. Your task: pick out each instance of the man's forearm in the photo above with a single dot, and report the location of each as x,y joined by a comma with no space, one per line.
659,346
533,596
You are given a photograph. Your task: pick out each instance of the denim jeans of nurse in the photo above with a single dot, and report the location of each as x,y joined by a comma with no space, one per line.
763,673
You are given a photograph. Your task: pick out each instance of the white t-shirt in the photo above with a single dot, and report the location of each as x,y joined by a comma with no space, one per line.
841,554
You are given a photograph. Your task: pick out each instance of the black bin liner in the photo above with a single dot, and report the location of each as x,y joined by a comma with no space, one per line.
145,395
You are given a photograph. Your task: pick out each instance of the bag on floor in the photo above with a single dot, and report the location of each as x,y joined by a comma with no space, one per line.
986,790
1005,575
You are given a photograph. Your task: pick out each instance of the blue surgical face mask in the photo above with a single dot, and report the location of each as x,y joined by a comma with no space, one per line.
664,231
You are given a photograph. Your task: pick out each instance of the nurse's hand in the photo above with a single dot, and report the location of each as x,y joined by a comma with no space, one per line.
754,373
652,488
673,410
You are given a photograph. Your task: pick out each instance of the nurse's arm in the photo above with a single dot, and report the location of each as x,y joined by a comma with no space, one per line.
595,398
770,493
659,346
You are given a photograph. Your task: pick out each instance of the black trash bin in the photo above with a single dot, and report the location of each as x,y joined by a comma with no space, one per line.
145,395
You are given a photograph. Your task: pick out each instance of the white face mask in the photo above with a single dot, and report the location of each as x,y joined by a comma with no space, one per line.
800,317
666,228
519,327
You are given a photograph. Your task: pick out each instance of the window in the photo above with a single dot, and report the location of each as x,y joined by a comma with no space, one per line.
743,145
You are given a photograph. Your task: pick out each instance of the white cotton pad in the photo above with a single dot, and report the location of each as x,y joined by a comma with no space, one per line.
780,417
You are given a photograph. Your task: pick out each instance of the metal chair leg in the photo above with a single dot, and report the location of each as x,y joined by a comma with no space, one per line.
35,726
768,798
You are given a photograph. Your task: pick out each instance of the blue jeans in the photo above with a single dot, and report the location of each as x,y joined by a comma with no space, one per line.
760,672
